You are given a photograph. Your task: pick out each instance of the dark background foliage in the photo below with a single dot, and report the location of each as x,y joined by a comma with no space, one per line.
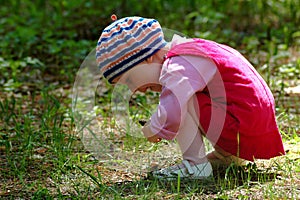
61,33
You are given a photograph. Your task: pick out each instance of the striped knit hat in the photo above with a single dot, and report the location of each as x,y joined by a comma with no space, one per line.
126,43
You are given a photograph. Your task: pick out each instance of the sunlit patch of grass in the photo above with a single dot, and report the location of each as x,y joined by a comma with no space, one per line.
256,180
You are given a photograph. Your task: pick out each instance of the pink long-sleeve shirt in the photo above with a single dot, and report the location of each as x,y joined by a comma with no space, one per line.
181,77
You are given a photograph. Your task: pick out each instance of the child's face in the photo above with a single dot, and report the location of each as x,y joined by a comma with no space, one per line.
142,77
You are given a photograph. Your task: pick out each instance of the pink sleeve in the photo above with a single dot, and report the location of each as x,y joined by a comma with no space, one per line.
181,78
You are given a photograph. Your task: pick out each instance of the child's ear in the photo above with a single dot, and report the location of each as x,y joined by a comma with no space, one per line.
150,59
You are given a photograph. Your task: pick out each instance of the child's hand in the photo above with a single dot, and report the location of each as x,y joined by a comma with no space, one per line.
154,139
151,137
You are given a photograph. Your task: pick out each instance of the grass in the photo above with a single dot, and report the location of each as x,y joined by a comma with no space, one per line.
42,157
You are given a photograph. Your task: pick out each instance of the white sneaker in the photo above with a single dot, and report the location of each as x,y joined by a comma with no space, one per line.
185,171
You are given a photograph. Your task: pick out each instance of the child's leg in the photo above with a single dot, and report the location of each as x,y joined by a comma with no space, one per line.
189,138
195,164
229,124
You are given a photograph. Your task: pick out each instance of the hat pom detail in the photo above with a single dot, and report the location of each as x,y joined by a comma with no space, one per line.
113,17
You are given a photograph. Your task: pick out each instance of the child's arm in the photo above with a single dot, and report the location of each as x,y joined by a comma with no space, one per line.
182,77
149,134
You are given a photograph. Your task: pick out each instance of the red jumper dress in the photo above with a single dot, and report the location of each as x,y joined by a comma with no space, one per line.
239,93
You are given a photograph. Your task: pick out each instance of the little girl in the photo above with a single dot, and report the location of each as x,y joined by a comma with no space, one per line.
206,89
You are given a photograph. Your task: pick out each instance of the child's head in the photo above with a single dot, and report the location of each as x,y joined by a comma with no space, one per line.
126,44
